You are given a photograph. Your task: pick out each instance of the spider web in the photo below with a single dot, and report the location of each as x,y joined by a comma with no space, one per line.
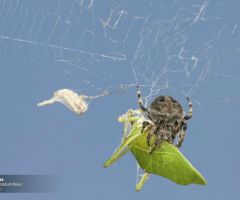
180,48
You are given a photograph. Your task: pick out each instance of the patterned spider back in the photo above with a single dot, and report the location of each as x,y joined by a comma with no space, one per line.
167,109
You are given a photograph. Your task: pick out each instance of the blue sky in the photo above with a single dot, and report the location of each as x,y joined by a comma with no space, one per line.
175,48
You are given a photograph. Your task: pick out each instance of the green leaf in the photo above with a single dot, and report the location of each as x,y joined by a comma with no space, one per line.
167,161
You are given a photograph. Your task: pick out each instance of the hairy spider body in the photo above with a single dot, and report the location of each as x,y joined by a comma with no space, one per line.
166,120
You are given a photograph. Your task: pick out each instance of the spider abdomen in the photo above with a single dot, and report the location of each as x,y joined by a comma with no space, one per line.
166,108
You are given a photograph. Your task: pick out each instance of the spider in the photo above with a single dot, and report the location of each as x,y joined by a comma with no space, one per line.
165,120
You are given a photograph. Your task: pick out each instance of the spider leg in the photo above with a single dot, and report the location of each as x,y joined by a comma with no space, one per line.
175,130
140,103
181,134
149,136
183,126
158,142
181,137
159,135
189,115
145,126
